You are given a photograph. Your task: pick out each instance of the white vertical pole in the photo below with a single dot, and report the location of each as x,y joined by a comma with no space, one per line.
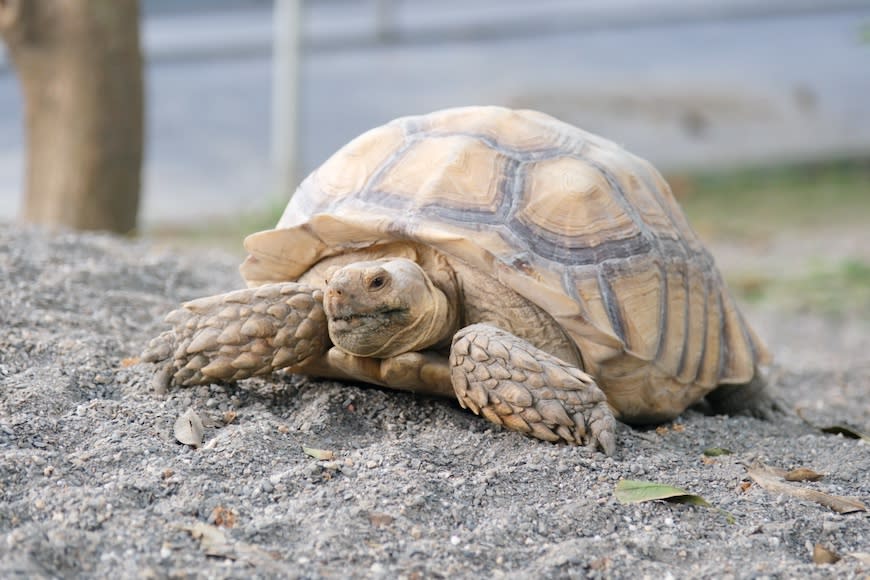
385,16
286,24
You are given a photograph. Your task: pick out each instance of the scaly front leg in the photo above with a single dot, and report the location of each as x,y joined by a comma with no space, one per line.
241,334
512,383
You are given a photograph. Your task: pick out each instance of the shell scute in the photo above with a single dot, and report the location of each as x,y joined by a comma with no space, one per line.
578,211
350,168
454,171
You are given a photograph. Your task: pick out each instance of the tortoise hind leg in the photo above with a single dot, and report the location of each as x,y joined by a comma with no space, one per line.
753,398
512,383
240,334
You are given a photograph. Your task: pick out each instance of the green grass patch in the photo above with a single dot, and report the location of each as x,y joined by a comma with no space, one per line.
759,202
836,288
223,232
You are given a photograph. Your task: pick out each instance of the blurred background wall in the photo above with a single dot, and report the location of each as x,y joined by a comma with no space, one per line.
691,85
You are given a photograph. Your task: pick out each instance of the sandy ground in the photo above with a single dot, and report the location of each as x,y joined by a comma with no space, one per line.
93,483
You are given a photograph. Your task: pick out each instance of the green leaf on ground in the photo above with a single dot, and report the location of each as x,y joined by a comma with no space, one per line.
717,451
637,491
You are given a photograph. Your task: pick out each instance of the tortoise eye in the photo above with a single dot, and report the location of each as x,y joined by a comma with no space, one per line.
377,282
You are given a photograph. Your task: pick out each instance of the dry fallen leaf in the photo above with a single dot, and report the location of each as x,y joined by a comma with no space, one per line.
322,454
600,563
803,474
188,429
823,555
130,361
847,432
771,481
379,519
679,428
229,416
863,557
843,430
213,542
222,517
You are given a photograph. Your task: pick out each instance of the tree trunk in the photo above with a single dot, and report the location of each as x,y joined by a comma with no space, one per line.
80,69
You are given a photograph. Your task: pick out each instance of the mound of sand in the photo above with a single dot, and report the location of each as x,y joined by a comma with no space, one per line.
316,479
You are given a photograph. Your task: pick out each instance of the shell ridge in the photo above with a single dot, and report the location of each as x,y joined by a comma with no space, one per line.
686,318
646,174
739,343
724,346
663,311
525,155
569,276
610,303
703,332
389,162
627,207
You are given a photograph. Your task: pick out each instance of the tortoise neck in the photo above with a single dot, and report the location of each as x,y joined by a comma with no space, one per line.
434,329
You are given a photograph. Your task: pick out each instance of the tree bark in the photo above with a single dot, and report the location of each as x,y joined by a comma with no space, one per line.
80,69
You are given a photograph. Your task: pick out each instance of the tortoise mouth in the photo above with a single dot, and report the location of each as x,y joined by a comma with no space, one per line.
386,311
381,317
366,333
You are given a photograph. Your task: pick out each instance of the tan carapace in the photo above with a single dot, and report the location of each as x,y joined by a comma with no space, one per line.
541,274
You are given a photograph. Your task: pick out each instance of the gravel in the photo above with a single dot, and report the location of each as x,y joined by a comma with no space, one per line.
300,478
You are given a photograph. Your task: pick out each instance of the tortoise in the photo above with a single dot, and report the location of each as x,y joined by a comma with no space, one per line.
540,274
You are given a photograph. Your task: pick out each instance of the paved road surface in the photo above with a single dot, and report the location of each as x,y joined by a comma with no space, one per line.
687,92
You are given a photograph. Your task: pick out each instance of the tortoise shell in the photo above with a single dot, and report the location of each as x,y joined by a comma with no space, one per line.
569,220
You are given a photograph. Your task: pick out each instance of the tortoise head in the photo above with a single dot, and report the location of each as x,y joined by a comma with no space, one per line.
386,307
